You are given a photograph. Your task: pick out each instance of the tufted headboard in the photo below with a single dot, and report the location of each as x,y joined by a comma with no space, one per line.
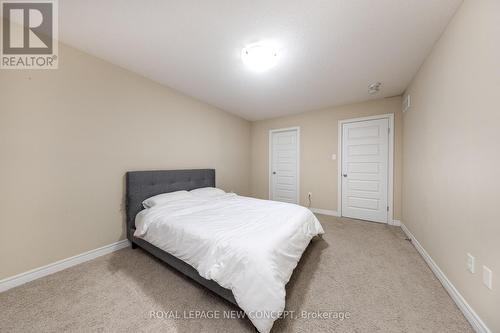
141,185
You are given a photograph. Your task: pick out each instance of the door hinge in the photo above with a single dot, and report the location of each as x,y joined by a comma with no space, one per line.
387,208
389,130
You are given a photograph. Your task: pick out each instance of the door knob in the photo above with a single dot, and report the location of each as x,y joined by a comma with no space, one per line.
274,172
345,174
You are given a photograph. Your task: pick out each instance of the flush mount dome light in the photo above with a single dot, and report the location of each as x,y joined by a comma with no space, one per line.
259,57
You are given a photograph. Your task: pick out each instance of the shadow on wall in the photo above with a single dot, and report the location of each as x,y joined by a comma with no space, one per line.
158,287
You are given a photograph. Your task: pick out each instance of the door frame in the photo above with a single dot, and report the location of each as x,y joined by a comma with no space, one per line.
270,176
390,167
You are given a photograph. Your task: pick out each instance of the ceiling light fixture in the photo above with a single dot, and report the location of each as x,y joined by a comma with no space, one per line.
259,57
374,88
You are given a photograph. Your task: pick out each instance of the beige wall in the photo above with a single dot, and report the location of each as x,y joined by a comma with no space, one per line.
68,136
451,191
318,141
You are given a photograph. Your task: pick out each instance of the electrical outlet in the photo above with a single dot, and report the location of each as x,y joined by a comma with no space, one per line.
471,263
487,277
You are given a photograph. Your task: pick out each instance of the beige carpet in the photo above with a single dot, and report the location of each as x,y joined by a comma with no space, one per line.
367,269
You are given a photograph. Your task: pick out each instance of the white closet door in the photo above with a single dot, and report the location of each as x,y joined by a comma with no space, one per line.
284,166
365,159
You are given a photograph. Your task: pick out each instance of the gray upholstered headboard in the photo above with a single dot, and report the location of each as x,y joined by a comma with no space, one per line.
144,184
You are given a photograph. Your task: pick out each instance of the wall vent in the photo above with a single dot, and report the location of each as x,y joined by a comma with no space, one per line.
406,103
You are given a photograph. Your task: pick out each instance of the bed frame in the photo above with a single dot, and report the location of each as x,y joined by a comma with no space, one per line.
141,185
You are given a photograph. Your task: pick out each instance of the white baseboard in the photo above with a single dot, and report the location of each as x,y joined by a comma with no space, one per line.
57,266
477,324
324,211
396,223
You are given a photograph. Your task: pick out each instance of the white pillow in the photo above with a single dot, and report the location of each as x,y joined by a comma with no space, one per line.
207,192
165,198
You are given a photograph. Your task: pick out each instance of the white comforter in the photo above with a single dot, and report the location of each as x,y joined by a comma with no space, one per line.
247,245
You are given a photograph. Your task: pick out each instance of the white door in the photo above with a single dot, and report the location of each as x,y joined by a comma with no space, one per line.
284,167
365,159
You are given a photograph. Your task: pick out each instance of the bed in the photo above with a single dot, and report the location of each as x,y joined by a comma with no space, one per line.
242,249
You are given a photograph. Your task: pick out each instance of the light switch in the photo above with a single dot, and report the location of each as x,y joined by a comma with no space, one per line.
334,157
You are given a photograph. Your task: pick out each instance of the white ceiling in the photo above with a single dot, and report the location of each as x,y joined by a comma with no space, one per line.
331,50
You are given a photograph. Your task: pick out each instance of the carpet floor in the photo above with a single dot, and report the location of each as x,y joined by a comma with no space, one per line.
365,271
